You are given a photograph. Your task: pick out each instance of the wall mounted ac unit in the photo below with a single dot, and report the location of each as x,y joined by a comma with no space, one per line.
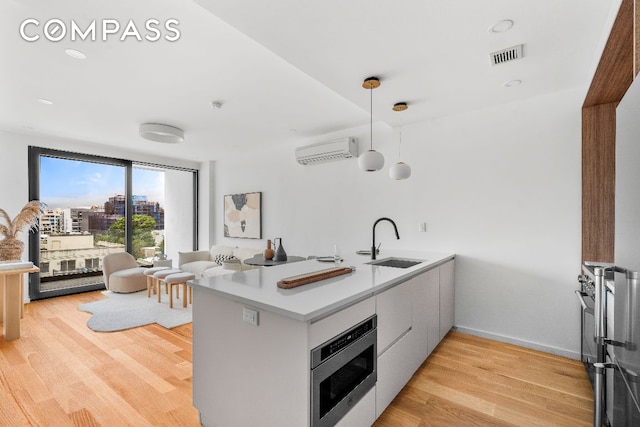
323,152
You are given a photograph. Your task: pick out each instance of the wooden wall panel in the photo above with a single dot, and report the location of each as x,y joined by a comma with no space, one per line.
618,66
636,38
615,70
598,182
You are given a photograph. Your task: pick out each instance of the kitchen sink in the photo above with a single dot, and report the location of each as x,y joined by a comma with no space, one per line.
397,262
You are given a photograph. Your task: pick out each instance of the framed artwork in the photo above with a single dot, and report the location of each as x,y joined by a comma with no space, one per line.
243,215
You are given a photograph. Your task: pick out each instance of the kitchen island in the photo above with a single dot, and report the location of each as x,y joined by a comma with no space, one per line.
252,340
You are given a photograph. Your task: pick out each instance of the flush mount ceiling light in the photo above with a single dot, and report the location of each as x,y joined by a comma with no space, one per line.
161,133
400,170
501,26
371,160
45,101
512,83
75,54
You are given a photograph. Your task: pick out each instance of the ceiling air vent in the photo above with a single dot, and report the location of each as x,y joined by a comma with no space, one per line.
506,55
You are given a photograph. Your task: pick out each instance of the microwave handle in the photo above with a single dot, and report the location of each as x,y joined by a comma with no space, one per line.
581,296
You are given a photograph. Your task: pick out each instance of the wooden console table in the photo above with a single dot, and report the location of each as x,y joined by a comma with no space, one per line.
12,300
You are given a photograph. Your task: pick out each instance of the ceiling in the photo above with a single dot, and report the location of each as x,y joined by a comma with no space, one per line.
286,72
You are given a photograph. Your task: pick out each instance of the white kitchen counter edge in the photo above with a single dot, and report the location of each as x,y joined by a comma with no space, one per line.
261,293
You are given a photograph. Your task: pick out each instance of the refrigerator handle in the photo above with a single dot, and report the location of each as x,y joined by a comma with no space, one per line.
598,392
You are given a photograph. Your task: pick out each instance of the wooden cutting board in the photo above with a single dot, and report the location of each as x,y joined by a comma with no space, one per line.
303,279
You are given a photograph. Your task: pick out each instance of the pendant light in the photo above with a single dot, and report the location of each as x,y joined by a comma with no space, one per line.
400,170
371,160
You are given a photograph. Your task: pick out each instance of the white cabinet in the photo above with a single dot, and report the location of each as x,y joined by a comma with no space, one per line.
430,306
425,306
447,296
395,342
413,317
236,362
363,414
393,308
393,372
419,319
328,327
238,366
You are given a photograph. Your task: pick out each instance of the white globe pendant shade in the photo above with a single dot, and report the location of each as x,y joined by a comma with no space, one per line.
400,171
371,161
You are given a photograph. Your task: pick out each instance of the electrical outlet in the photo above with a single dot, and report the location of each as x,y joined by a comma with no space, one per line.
422,227
250,316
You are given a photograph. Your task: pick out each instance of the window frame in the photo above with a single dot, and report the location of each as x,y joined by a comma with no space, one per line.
34,155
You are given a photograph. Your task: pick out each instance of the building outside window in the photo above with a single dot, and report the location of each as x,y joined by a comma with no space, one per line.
68,265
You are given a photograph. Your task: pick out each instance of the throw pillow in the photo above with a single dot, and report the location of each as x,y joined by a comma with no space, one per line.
220,258
217,250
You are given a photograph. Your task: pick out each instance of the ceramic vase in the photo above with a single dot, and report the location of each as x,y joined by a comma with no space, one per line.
281,255
268,253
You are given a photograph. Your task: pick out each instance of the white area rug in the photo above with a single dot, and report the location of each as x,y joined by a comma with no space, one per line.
125,311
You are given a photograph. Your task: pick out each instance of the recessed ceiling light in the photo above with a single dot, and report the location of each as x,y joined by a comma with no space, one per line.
75,53
512,83
161,133
45,101
501,26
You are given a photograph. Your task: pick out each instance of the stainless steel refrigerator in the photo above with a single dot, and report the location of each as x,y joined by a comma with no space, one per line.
625,345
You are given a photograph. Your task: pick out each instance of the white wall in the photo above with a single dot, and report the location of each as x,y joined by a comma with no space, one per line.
178,219
499,187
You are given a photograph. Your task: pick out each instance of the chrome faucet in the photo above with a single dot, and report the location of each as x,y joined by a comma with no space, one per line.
373,242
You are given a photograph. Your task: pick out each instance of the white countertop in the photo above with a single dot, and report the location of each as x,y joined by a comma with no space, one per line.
258,288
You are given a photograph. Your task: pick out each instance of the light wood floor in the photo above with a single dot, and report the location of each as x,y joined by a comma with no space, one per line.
471,381
60,373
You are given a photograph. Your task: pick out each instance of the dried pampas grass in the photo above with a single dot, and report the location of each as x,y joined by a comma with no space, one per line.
10,247
27,218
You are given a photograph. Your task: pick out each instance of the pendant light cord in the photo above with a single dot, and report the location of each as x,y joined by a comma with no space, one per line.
400,143
371,114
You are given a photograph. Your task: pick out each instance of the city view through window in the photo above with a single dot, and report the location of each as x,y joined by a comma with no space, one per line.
85,219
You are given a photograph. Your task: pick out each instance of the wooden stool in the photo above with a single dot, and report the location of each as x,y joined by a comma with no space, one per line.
159,276
178,279
149,272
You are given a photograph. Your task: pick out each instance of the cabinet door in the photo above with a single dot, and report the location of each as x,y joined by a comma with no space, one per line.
363,414
393,307
426,314
447,297
393,372
433,310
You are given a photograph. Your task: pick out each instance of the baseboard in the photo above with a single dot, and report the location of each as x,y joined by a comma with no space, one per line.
522,343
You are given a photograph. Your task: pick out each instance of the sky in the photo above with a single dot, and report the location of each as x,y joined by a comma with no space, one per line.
70,183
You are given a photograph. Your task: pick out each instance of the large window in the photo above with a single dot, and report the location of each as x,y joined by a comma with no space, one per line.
96,206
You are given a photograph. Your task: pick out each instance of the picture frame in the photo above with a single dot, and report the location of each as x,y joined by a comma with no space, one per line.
243,215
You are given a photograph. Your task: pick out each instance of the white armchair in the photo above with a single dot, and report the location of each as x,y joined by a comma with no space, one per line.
122,273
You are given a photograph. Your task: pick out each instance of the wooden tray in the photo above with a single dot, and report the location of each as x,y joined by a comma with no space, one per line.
303,279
